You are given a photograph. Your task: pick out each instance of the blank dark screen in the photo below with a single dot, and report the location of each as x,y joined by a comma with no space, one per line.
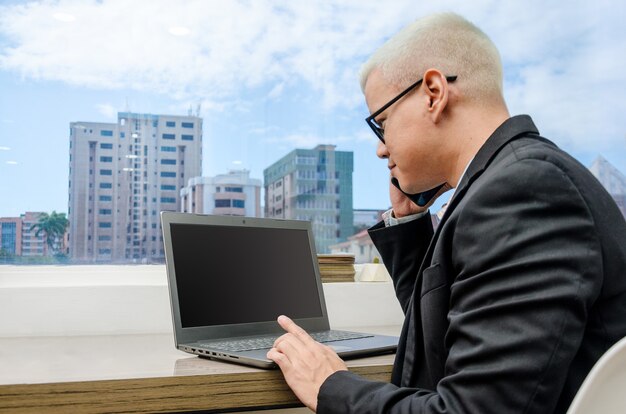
230,274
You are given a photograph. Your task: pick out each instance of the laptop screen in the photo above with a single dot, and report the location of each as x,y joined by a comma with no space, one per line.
237,274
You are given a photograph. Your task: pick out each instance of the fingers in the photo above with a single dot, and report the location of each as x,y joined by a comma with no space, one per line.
280,359
290,326
288,345
291,346
305,363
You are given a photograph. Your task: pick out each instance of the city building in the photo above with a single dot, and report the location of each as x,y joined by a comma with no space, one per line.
11,236
18,236
366,218
32,245
360,245
121,176
232,194
612,179
315,185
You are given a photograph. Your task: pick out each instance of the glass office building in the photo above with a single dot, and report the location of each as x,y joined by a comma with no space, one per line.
314,185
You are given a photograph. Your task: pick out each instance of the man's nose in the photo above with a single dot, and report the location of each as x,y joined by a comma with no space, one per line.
381,151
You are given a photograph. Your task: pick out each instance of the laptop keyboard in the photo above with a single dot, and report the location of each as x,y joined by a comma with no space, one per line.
266,342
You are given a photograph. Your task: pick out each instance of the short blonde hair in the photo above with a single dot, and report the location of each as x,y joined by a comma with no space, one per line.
443,41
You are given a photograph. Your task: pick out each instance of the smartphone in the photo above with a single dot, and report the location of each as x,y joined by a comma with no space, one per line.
421,199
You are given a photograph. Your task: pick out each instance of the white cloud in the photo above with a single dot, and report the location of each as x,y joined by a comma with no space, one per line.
108,110
64,17
566,72
298,140
179,31
263,130
12,162
563,62
276,91
309,140
228,45
5,148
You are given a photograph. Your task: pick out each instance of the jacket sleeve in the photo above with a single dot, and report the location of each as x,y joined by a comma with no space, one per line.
402,248
526,268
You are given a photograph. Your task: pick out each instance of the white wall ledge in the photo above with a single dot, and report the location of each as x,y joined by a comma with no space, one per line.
133,299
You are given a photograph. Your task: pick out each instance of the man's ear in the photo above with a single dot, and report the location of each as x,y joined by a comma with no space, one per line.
436,86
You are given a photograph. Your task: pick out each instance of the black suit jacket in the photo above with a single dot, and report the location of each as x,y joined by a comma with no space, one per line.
512,300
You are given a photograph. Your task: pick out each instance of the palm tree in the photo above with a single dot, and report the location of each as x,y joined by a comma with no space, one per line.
53,226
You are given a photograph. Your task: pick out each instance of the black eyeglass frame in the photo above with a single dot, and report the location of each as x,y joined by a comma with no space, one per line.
371,120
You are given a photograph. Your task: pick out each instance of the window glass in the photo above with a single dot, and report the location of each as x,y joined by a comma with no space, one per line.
263,106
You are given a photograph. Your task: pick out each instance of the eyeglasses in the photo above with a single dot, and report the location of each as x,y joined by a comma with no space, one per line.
371,120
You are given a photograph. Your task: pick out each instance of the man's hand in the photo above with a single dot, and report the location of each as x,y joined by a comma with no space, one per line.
403,206
304,362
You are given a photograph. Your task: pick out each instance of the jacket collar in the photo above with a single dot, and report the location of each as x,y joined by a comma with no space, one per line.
510,129
505,133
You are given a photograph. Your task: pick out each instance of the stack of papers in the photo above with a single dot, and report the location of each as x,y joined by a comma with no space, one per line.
336,267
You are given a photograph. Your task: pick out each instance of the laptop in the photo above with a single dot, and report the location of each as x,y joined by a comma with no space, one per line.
229,278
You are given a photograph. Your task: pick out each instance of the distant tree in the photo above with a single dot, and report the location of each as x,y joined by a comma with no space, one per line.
6,256
53,226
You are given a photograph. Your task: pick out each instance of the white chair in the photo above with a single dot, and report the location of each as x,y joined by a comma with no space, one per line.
604,389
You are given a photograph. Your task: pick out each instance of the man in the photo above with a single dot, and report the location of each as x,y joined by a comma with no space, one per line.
522,287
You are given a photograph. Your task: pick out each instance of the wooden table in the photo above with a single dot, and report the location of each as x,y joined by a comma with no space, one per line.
139,374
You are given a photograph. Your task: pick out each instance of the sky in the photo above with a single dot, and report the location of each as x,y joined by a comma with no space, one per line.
271,76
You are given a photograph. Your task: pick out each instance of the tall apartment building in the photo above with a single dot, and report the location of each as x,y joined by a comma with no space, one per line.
121,176
232,194
17,238
315,185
